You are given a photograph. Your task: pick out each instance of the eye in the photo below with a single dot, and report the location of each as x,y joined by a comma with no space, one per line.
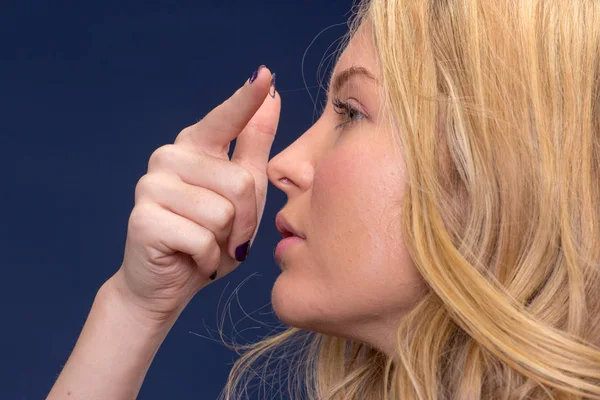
345,109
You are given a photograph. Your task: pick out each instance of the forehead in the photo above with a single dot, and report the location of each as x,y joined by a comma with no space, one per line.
359,51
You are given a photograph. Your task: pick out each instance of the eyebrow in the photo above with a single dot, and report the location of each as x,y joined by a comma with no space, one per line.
340,79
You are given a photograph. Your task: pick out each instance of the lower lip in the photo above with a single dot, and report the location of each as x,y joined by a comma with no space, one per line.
286,244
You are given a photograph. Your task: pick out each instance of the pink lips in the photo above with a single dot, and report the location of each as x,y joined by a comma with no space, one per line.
285,245
285,228
291,237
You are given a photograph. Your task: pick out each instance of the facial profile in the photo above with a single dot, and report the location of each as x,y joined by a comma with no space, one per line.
352,275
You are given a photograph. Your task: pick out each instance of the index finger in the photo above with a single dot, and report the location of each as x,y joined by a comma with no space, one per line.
225,122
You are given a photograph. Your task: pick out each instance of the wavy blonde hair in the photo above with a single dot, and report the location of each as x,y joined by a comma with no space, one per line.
496,112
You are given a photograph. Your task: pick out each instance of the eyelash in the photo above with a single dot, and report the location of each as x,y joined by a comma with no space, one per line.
347,110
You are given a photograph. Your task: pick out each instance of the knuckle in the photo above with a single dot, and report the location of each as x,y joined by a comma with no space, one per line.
161,156
140,188
145,187
185,132
244,184
140,217
225,214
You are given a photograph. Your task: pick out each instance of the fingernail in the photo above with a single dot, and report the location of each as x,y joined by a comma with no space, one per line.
241,253
272,88
255,74
213,276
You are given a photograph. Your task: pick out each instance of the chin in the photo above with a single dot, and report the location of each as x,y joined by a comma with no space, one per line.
299,304
293,301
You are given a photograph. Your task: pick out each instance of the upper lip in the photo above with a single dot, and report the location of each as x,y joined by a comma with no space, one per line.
285,228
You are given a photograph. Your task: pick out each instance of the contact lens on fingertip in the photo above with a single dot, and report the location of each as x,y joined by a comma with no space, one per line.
272,88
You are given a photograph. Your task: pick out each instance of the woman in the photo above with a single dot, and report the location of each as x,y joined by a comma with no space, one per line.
446,208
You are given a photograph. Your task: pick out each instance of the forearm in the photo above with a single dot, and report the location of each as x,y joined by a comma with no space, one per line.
112,355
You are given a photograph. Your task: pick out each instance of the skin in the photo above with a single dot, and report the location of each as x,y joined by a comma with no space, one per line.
353,276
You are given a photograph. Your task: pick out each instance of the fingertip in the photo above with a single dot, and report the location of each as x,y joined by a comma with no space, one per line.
224,123
242,251
272,87
214,275
259,77
255,74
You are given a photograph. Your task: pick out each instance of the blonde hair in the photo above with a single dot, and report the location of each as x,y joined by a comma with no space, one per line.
495,107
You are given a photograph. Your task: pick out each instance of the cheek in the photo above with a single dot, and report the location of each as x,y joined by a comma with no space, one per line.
357,207
333,176
348,179
338,207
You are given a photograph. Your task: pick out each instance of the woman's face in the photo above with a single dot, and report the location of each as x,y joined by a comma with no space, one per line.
352,276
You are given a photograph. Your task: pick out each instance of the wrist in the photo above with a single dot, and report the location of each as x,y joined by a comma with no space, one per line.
116,299
114,351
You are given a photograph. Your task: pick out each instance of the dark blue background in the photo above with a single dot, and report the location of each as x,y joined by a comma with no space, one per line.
88,90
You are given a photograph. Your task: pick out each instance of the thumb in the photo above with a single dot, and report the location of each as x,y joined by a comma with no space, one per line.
253,145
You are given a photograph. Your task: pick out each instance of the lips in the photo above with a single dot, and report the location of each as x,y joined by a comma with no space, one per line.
285,227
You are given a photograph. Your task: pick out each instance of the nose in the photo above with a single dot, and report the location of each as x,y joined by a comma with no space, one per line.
292,169
283,171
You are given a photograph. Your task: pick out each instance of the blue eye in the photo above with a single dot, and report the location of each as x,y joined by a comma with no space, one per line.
344,108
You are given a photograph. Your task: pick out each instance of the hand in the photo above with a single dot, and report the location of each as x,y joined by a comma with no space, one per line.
194,207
